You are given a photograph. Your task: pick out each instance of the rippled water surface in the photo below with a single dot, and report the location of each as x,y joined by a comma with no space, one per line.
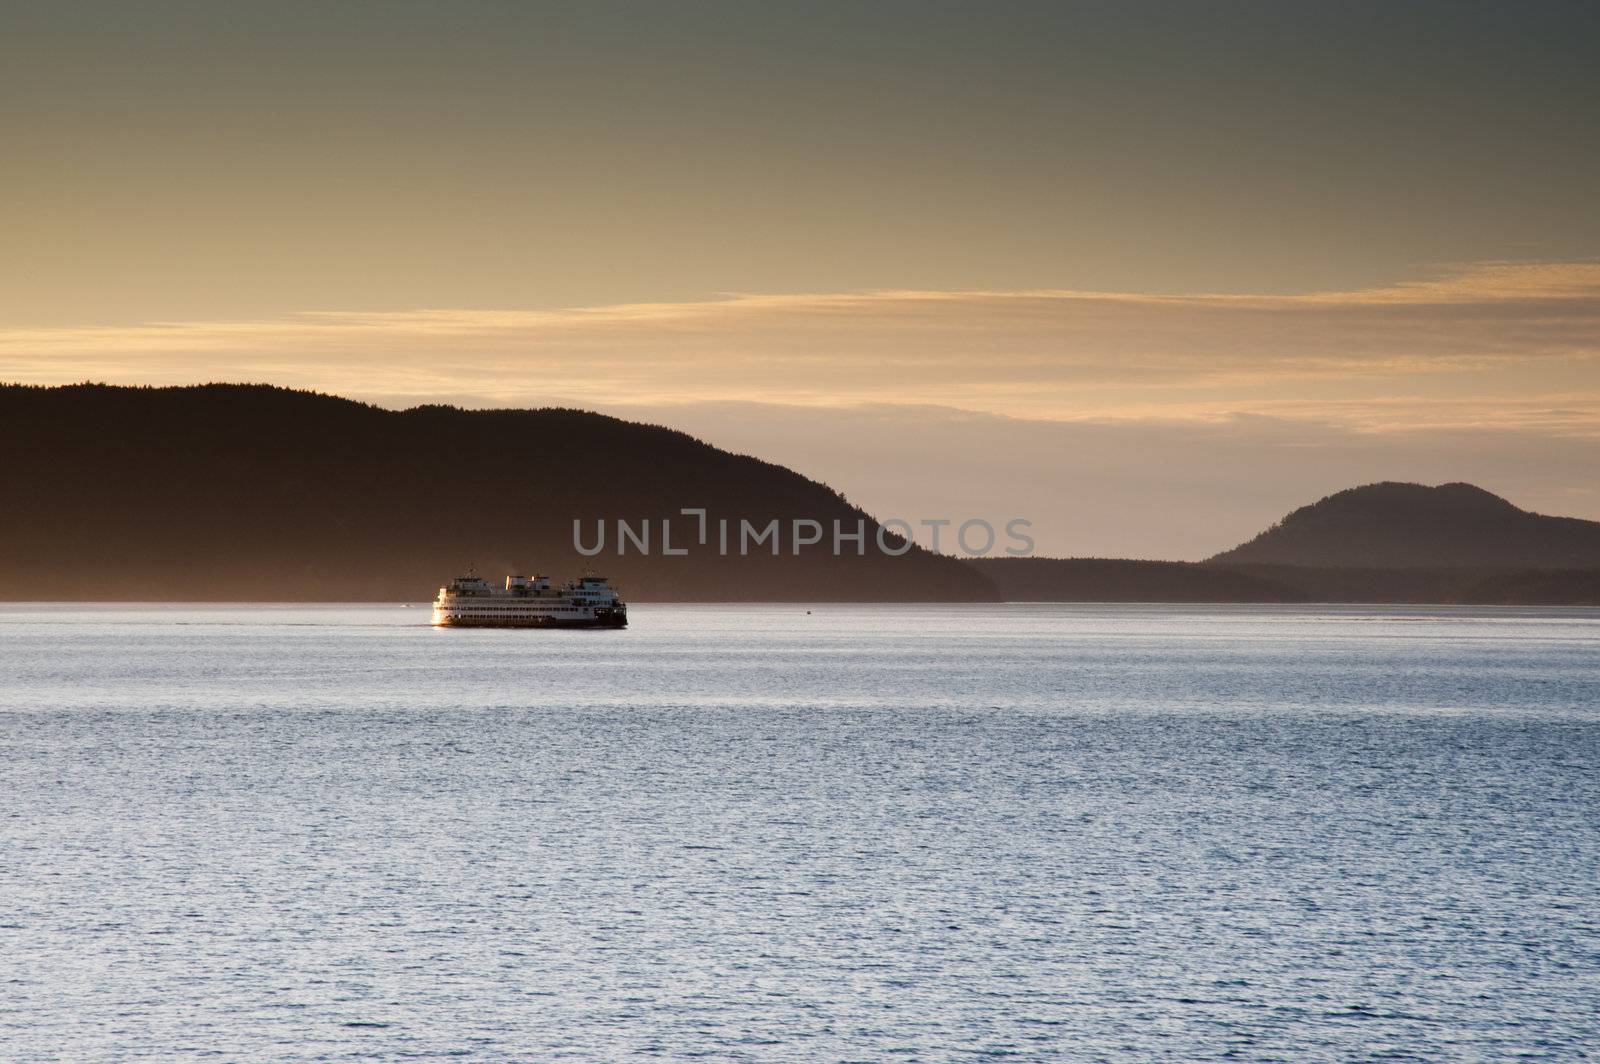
1046,832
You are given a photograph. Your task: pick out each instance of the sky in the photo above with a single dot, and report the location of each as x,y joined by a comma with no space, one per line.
1093,264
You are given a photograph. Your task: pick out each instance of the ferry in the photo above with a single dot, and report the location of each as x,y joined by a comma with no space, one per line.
529,602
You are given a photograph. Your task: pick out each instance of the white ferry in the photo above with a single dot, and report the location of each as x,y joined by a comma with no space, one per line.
529,602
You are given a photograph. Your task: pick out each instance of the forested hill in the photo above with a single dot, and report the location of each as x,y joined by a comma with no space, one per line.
245,492
1397,526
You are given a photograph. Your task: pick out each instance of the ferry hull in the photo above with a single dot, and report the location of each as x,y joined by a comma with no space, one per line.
529,622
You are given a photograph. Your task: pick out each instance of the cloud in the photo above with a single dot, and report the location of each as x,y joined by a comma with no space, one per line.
1491,343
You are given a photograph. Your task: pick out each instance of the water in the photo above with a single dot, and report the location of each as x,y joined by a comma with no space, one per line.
749,833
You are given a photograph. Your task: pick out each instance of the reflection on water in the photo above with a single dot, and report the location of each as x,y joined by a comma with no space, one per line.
298,832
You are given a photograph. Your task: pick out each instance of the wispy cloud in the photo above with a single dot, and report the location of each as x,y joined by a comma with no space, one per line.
1511,343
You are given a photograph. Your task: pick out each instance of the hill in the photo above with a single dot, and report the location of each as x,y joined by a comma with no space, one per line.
1118,580
247,492
1122,580
1459,586
1400,526
1383,543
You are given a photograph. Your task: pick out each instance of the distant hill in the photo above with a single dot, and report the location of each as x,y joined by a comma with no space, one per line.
249,492
1562,588
244,492
1398,526
1383,543
1116,580
1121,580
1458,585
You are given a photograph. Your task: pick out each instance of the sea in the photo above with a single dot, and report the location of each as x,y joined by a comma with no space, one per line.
789,832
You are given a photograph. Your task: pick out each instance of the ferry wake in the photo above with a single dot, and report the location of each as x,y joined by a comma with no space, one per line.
529,602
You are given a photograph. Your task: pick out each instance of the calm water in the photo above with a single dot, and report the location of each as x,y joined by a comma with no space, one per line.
931,833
